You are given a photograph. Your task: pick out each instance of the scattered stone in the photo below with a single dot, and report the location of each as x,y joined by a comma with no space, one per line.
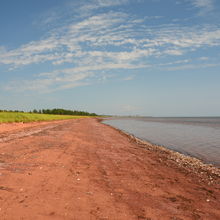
206,172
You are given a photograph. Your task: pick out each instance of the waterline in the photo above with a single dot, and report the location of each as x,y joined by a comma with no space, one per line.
197,137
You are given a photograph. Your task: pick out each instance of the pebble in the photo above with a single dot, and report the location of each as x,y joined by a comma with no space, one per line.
207,200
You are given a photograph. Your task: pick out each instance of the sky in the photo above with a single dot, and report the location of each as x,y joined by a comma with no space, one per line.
120,57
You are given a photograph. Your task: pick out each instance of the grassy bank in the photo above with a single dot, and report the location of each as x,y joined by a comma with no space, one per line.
29,117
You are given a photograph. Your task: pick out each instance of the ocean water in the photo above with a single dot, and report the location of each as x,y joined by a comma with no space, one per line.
197,137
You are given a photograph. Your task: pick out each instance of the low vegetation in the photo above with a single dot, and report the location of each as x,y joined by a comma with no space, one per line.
59,111
41,115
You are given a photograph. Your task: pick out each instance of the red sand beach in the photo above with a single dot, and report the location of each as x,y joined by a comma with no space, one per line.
82,169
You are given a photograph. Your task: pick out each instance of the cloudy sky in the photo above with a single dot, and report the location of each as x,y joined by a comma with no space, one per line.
127,57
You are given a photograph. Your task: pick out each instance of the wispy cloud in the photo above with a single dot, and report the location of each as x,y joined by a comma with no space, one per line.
50,84
104,41
203,3
192,66
91,40
175,62
204,6
92,5
68,78
189,64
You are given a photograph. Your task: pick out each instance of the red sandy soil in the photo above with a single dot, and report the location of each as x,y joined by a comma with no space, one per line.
5,127
82,169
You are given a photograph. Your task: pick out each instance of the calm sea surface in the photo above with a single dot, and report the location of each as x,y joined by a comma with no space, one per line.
198,137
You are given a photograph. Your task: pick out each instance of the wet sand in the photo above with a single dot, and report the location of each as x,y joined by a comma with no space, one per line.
82,169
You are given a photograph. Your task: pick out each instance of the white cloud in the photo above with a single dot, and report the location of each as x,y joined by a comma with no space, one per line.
203,58
192,66
175,62
120,57
73,10
68,77
49,84
104,42
203,5
90,40
92,5
176,52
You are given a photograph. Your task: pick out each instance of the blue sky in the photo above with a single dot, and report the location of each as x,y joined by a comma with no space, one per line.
126,57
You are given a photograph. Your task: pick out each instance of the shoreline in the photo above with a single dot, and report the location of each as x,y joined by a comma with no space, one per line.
207,172
89,169
194,138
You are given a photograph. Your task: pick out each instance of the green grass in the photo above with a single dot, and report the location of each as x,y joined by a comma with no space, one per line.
30,117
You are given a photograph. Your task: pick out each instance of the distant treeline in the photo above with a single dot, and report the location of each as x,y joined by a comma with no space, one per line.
56,111
10,110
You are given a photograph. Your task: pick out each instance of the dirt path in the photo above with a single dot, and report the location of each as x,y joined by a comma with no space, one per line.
81,169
